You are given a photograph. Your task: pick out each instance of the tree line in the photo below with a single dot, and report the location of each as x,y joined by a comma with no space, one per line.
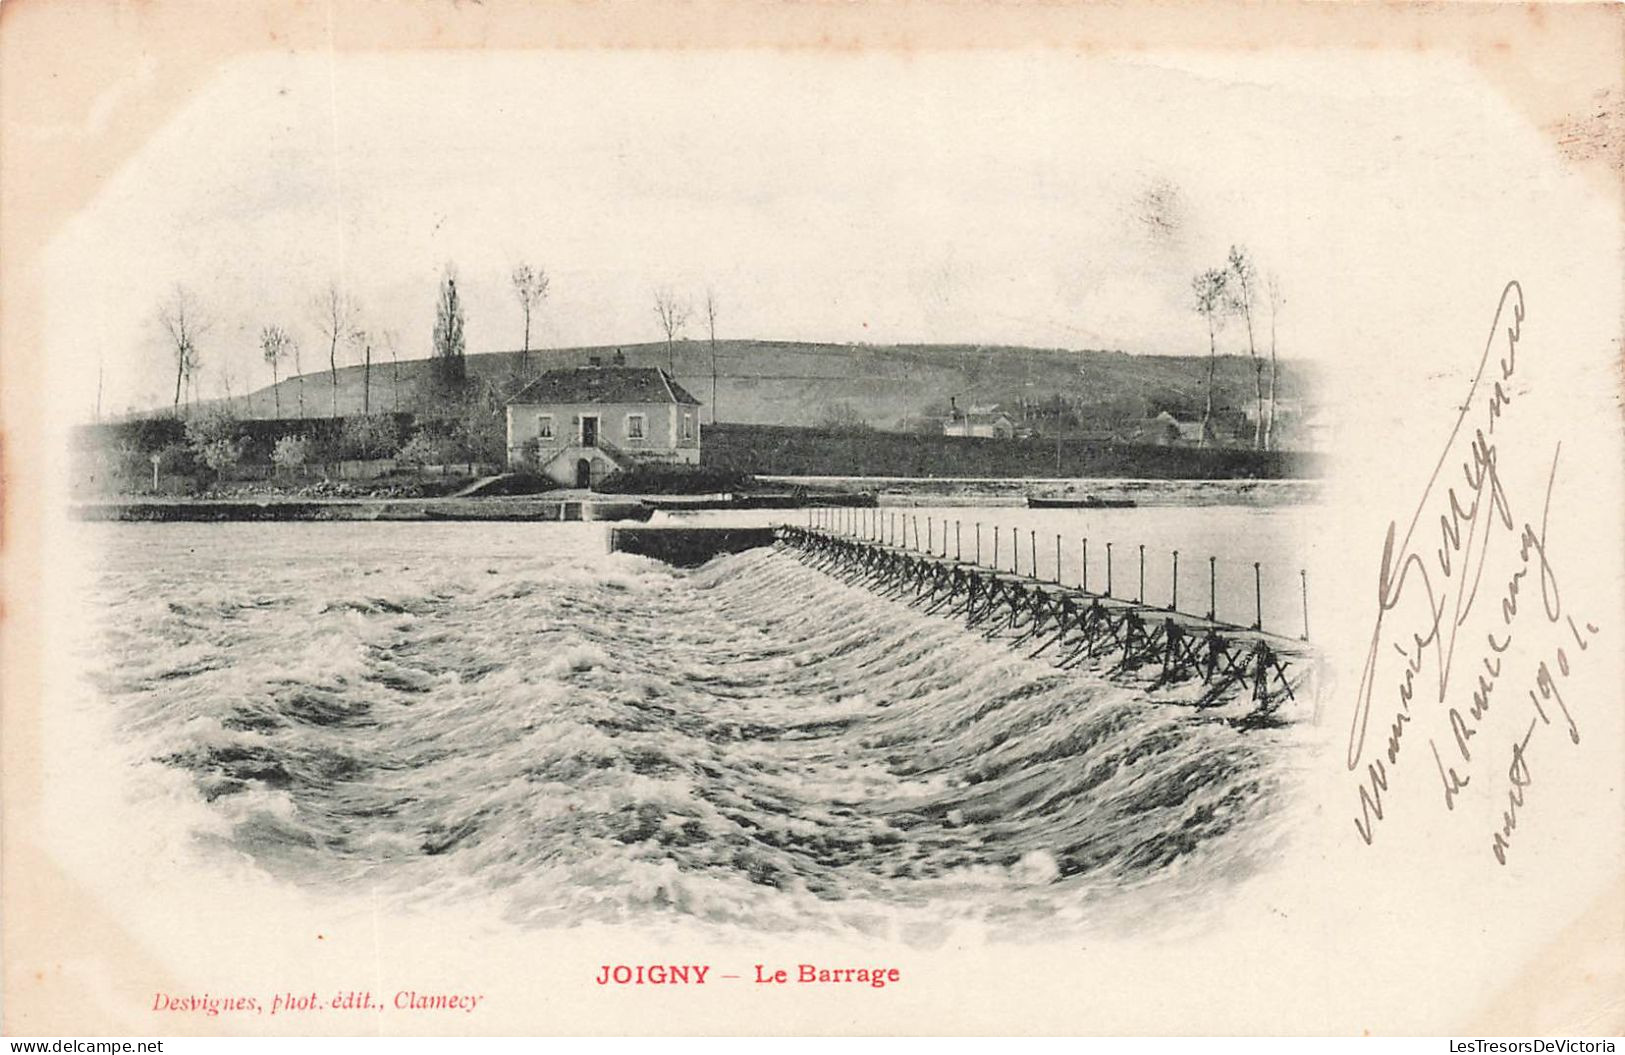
1221,295
336,314
1231,292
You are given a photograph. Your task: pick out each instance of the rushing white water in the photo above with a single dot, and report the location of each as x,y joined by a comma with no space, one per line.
507,712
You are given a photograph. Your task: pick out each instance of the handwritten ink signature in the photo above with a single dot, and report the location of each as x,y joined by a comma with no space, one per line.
1433,573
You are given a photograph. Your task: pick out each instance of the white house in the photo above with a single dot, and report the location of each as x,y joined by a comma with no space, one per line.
579,424
987,422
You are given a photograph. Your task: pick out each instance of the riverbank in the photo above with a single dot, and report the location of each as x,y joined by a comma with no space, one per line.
789,493
1005,491
552,508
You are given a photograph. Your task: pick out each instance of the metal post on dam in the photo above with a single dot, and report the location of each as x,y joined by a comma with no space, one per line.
1073,626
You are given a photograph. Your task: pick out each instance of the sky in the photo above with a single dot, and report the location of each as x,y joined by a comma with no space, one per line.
1038,198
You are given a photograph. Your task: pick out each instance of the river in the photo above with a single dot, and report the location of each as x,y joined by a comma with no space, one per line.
508,712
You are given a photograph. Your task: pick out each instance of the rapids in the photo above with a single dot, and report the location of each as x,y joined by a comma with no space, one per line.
507,712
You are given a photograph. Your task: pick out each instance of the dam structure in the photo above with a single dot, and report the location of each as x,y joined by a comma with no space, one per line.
1074,626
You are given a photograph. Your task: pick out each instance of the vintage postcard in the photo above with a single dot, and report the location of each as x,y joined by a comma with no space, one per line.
812,518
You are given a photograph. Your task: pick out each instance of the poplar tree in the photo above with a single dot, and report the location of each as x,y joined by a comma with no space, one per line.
447,365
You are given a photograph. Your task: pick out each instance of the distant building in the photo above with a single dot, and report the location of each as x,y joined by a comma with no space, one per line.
987,422
1172,431
580,424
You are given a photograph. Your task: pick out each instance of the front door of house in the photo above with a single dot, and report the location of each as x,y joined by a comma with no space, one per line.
589,431
583,473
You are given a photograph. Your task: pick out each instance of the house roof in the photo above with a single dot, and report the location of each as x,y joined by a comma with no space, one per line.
979,417
604,384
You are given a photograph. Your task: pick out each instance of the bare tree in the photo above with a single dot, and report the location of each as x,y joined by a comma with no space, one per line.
183,322
711,324
274,342
299,372
362,340
1239,299
673,315
335,317
1209,288
1277,299
530,287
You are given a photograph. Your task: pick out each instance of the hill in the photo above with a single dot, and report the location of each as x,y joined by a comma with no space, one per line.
884,386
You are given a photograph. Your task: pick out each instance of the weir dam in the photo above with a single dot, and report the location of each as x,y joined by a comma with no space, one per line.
1073,625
